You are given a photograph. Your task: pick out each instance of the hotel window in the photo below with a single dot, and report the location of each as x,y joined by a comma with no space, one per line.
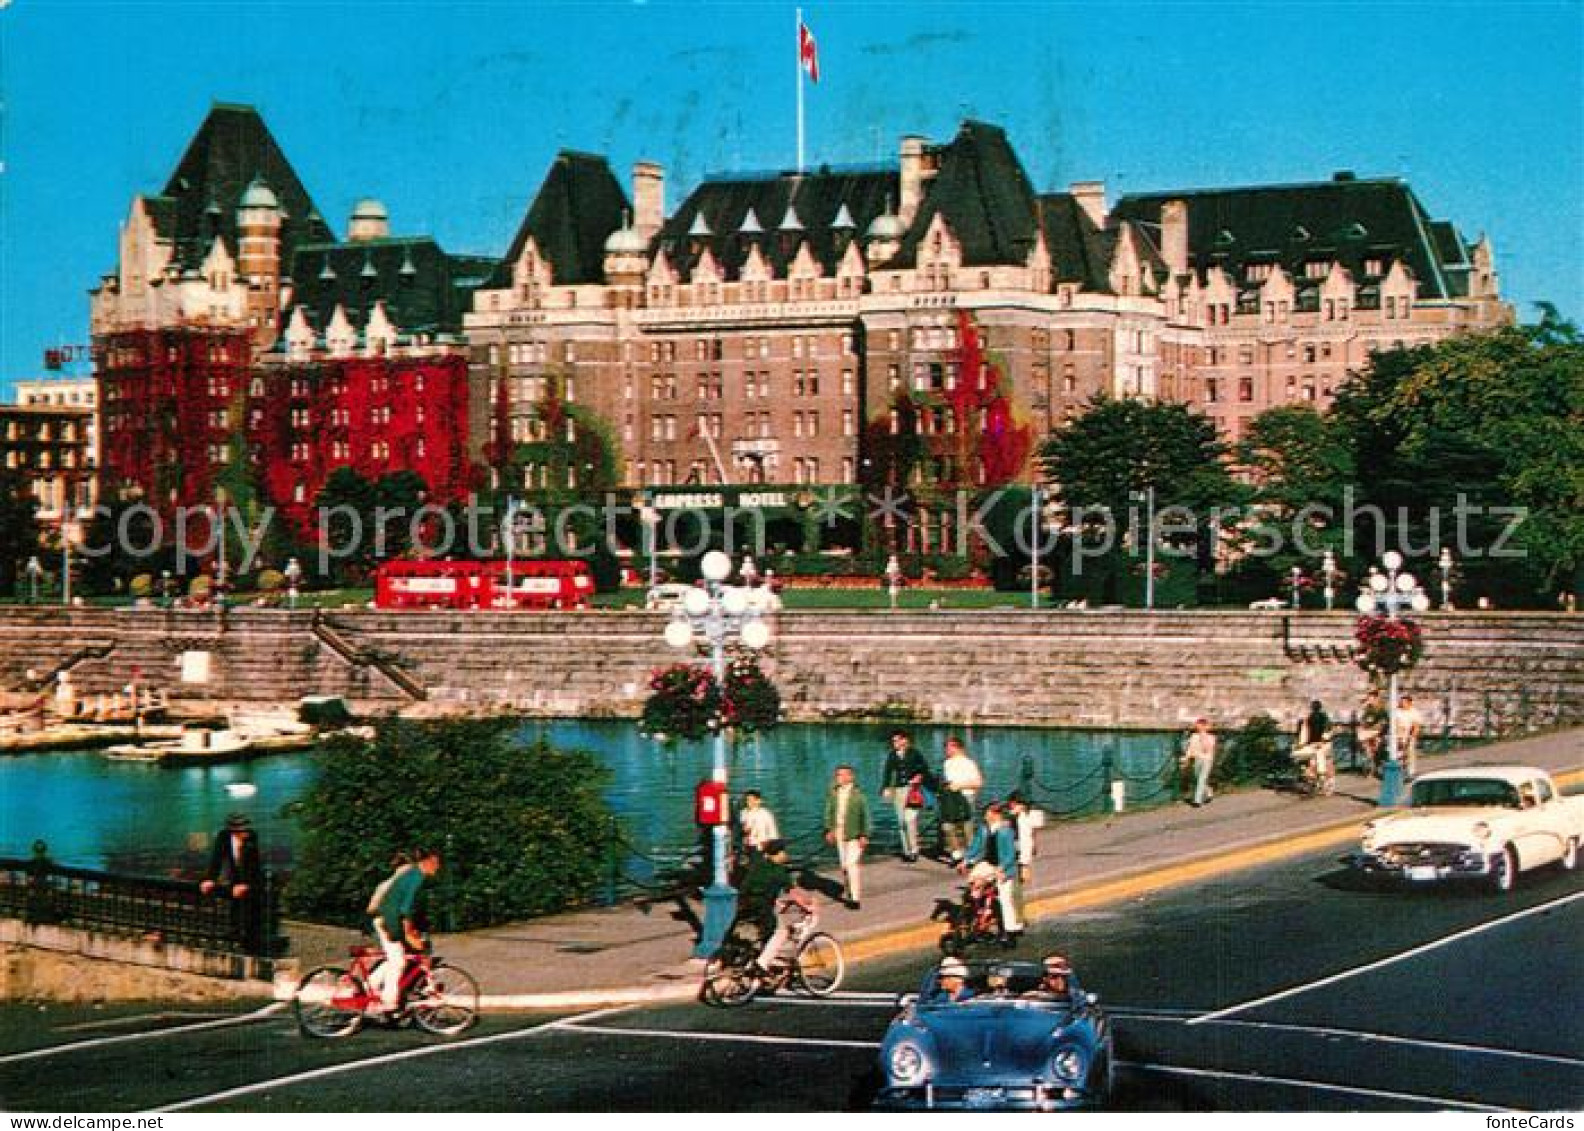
813,424
813,382
848,385
1245,389
894,339
847,422
847,344
1212,390
849,469
797,425
797,346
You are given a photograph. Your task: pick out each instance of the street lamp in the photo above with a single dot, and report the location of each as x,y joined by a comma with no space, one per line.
893,576
1444,564
650,517
1387,594
1147,497
749,571
1328,570
512,508
34,572
715,617
70,532
293,580
1297,580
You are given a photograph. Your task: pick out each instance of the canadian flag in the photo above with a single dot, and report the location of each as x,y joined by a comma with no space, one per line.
808,53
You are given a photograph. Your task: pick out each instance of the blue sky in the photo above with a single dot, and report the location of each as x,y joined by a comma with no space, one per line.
451,114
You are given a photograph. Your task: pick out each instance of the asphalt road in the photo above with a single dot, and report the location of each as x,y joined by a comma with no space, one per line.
1283,988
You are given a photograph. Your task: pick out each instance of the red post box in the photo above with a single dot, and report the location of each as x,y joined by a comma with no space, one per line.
710,803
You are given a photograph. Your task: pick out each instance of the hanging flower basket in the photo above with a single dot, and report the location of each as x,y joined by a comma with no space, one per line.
1387,646
684,702
752,702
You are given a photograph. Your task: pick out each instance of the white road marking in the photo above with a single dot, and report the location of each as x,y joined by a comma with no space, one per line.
1403,956
148,1035
136,1019
1383,1038
570,1025
1378,1093
371,1062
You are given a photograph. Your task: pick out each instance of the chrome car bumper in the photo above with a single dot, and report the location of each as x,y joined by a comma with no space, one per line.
990,1097
1412,867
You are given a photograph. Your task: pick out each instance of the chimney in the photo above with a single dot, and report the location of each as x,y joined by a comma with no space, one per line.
648,179
1090,196
1174,236
912,178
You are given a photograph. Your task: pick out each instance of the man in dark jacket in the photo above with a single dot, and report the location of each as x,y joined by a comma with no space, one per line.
235,873
903,781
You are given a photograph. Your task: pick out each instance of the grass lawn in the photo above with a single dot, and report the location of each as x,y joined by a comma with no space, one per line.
915,598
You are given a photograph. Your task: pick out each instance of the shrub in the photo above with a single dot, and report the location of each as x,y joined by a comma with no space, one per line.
271,581
200,586
524,829
1252,754
142,585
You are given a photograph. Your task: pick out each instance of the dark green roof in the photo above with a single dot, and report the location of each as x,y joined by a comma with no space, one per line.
424,289
230,150
1346,220
577,207
816,197
1079,251
986,197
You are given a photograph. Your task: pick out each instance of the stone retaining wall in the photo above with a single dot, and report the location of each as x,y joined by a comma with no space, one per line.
1484,673
61,964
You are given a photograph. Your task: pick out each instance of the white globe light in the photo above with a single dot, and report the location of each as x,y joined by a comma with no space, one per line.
716,566
1365,603
1393,559
756,634
735,602
1379,583
1421,603
696,602
678,634
1406,583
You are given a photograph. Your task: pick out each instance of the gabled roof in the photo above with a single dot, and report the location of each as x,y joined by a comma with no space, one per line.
725,202
231,149
1079,251
985,196
577,207
1345,220
424,289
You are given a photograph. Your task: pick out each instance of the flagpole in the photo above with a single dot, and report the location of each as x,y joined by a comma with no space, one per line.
797,58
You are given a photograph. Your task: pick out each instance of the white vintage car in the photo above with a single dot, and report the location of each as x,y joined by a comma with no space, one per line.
1483,822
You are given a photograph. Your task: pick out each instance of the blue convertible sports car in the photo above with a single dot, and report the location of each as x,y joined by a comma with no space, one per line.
997,1035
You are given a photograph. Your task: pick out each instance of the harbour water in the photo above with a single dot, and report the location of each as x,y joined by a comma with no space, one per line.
124,816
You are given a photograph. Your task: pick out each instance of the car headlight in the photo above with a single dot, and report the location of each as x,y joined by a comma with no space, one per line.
906,1063
1068,1064
1481,831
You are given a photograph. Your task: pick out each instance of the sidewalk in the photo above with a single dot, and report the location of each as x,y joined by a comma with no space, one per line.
629,953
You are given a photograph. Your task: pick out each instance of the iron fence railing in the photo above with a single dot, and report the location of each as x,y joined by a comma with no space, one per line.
40,891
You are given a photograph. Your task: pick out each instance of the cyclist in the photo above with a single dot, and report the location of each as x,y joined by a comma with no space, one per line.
773,902
392,910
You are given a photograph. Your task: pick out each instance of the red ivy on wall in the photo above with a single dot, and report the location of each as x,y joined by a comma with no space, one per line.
988,430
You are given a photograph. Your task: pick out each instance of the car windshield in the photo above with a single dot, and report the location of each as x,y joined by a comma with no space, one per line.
1465,791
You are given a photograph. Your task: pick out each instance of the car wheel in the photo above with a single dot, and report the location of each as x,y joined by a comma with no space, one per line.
1505,875
1570,854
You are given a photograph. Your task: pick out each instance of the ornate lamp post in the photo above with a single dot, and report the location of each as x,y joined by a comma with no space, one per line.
1147,497
714,617
1296,578
34,572
893,576
293,580
650,518
1383,596
749,571
1328,570
1444,565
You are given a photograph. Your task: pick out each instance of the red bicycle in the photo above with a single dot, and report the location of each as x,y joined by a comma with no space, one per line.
336,1001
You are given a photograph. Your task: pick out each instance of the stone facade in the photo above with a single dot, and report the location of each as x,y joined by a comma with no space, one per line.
1484,673
51,447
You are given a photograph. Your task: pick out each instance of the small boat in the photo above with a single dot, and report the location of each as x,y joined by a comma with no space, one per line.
268,723
195,747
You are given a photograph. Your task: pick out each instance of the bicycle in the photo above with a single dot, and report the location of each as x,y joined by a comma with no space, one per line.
734,977
336,1001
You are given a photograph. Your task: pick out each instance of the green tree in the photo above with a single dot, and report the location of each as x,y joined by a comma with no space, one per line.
347,502
525,829
18,527
1481,420
1110,454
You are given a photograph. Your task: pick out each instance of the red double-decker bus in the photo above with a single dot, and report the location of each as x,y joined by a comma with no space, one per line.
483,585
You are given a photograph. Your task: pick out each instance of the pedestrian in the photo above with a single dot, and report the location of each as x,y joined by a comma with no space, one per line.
961,782
235,873
1200,754
393,911
1022,820
1371,724
847,828
1312,744
903,782
1408,724
757,824
994,854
